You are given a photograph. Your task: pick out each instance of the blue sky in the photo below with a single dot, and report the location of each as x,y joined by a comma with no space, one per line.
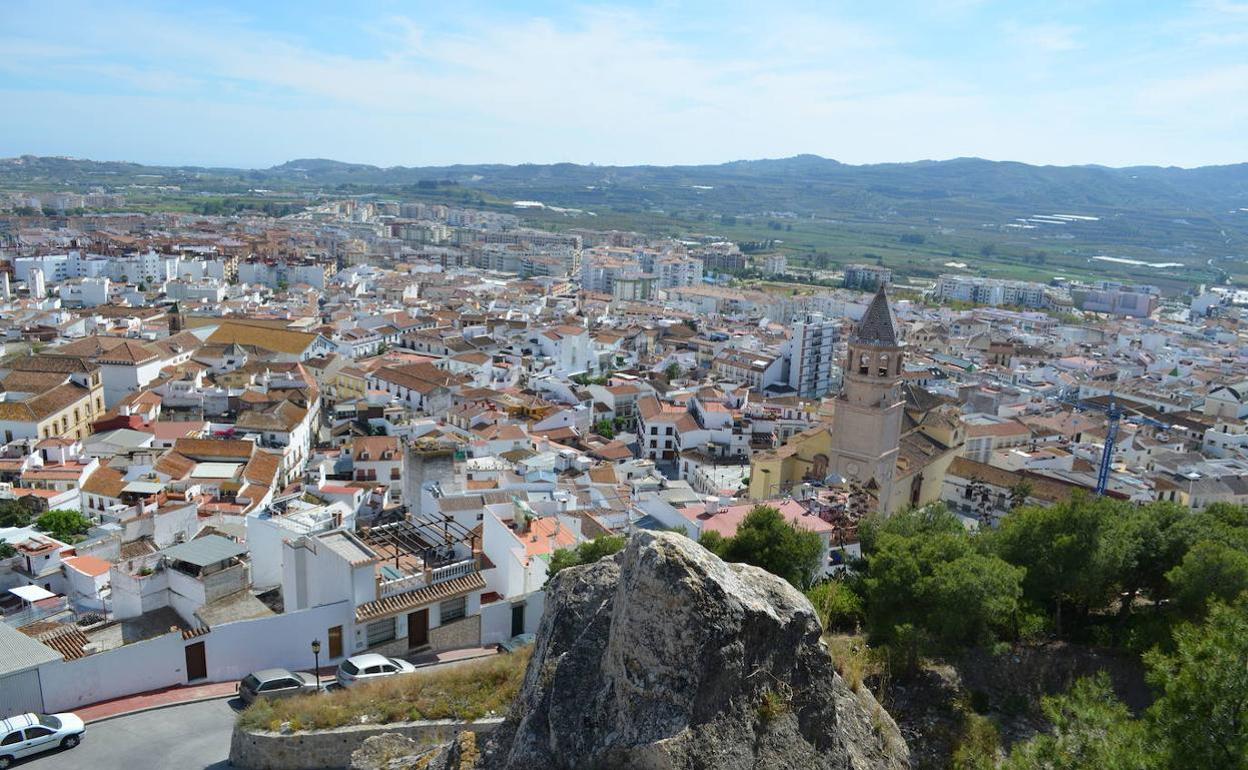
413,83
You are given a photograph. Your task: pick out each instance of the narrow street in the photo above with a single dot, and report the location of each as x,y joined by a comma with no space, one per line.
190,737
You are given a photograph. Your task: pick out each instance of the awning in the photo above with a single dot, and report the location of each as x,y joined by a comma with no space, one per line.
32,594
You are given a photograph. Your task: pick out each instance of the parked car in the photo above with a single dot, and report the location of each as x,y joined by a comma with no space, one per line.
29,734
366,668
516,642
275,683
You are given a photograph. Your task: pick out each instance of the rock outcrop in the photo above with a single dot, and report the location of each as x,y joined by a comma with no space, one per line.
665,657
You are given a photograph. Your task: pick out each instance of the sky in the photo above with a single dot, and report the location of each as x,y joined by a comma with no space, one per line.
253,84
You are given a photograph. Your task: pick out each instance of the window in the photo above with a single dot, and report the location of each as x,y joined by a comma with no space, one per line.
380,631
12,738
37,732
372,670
453,609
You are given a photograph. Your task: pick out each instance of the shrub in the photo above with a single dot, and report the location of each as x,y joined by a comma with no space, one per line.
837,606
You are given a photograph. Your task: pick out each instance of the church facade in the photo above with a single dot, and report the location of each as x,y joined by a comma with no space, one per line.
892,440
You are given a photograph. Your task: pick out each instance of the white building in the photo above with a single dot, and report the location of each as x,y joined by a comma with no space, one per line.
811,355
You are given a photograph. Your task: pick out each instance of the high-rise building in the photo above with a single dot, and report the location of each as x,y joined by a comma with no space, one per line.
867,277
811,355
38,289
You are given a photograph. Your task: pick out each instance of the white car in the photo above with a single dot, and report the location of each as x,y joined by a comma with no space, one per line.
366,668
28,734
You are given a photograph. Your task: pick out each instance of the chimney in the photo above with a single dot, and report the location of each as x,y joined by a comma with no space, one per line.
712,505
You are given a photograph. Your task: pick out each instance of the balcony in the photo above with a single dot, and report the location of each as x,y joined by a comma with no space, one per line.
426,578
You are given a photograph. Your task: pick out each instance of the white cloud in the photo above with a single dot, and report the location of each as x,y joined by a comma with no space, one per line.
1045,37
604,85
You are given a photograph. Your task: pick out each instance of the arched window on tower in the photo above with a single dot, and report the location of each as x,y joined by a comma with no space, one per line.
883,370
864,364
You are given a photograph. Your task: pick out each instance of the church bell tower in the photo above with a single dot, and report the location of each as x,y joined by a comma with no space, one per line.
866,432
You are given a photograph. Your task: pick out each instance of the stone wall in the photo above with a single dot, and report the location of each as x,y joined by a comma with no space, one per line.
318,749
465,632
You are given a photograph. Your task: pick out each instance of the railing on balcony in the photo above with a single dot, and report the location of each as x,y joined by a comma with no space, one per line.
401,585
427,577
452,571
36,612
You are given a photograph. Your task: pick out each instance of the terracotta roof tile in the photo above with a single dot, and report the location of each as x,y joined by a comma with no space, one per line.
392,605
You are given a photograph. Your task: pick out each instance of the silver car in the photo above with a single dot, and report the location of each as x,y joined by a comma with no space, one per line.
370,666
275,683
29,734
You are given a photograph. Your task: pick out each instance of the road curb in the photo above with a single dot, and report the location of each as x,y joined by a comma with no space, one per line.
227,696
160,706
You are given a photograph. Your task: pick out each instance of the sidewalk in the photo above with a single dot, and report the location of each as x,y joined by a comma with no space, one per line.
170,696
173,696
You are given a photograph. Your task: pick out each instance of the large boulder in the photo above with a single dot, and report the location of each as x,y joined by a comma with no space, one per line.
666,657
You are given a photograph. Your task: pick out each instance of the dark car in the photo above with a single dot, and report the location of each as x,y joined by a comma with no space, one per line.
275,683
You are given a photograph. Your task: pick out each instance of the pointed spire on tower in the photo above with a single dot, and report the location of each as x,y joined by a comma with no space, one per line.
878,325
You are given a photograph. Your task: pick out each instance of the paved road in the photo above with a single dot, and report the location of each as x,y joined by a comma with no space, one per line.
189,737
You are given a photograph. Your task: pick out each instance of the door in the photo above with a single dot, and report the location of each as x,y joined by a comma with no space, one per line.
38,740
20,693
335,642
12,743
196,662
517,619
417,629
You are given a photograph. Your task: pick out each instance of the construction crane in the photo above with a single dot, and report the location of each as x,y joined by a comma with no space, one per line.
1114,414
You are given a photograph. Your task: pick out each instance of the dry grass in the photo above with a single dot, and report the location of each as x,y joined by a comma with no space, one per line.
466,692
854,660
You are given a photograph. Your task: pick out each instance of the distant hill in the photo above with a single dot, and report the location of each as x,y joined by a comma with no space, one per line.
920,217
804,184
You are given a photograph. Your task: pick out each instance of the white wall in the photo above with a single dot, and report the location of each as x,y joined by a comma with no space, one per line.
233,650
496,617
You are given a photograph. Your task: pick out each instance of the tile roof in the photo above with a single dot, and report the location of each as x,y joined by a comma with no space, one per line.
88,565
214,449
263,337
878,325
128,352
65,638
44,405
392,605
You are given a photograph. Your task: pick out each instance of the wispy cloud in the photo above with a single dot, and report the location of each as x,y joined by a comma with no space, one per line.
613,84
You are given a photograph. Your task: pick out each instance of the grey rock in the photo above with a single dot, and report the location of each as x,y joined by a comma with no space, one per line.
392,751
666,658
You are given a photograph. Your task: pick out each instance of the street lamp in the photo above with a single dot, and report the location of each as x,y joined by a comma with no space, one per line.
316,654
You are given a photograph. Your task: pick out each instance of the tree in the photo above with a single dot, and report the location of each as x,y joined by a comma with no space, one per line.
673,371
1154,539
1019,493
910,522
1067,552
1210,571
1091,729
7,551
605,428
586,553
941,585
14,514
766,539
64,525
1201,717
